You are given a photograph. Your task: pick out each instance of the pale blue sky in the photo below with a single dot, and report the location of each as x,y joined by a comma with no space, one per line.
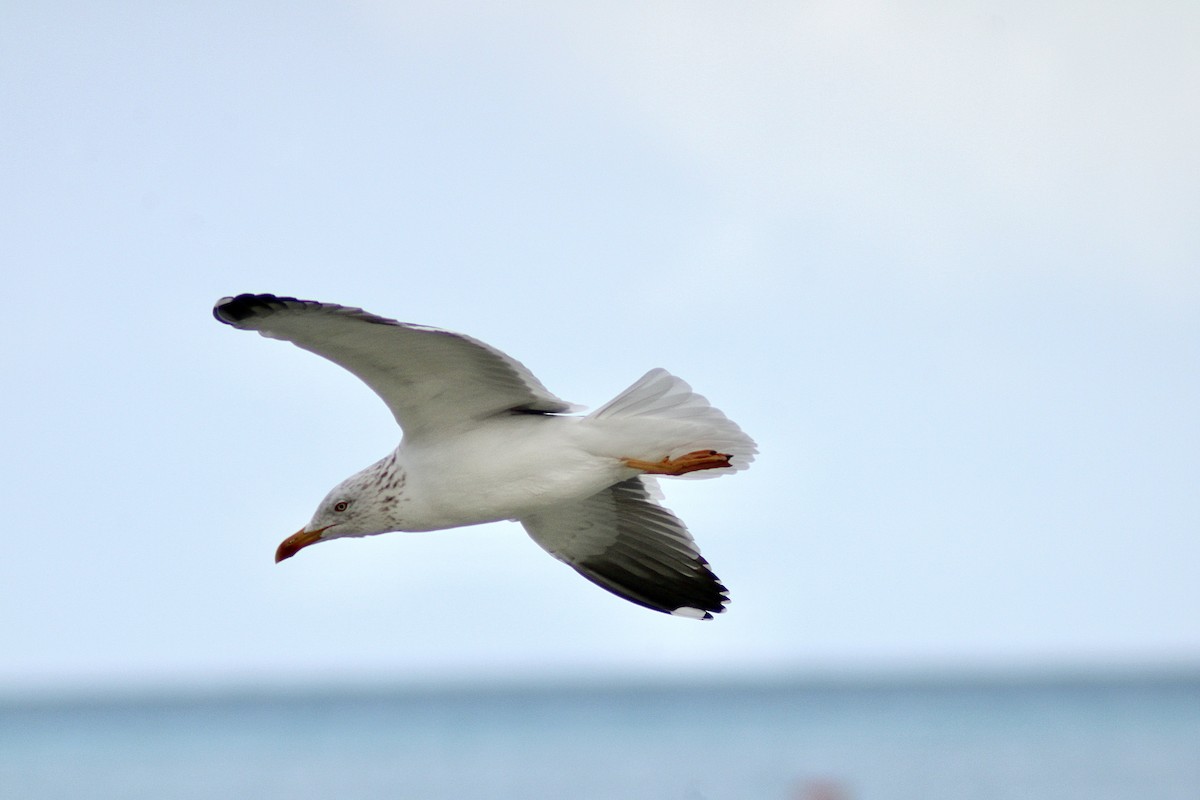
941,261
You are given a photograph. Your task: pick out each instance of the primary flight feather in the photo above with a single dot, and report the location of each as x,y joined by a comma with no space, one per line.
484,441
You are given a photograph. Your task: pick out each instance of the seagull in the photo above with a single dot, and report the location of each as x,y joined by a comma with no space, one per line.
483,441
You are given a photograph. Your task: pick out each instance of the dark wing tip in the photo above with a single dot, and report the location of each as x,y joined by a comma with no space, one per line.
236,310
696,593
232,310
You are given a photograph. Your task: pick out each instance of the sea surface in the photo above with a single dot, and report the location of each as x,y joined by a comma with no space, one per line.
1057,739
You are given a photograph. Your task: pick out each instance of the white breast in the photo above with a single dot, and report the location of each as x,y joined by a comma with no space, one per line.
507,469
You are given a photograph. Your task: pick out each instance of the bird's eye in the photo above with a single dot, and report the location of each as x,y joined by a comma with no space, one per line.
341,505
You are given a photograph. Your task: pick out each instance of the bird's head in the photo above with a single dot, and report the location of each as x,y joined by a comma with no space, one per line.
362,505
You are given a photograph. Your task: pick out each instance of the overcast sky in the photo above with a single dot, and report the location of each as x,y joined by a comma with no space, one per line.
941,260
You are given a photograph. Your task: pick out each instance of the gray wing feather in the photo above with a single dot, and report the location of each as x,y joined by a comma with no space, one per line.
630,545
430,379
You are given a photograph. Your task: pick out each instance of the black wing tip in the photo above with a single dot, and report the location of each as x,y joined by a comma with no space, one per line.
699,610
703,611
236,310
698,596
243,306
232,310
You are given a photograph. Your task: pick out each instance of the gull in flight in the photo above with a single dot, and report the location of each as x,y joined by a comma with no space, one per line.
484,440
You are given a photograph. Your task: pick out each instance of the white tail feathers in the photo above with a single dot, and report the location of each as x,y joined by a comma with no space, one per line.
657,393
660,396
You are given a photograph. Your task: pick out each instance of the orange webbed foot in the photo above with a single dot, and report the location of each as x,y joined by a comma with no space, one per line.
689,462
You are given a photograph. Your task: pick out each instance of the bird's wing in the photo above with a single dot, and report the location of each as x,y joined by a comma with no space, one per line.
624,541
431,379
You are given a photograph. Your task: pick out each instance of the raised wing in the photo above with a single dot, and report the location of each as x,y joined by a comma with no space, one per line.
432,380
622,540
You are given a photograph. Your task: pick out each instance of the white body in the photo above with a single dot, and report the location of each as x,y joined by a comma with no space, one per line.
507,470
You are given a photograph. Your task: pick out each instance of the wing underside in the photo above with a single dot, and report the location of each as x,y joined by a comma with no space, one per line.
429,378
625,542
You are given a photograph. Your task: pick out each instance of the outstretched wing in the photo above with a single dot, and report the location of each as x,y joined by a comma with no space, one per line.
431,379
624,541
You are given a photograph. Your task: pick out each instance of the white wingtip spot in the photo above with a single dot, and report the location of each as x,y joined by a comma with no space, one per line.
690,613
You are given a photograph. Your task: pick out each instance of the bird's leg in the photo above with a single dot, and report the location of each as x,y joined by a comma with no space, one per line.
689,462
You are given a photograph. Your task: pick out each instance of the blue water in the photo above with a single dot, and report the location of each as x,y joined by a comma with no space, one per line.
1060,739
